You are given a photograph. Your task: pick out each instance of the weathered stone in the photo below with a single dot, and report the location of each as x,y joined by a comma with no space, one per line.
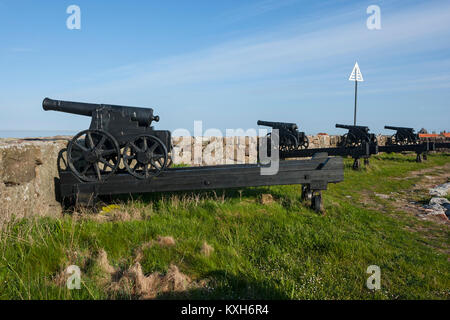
28,169
440,190
266,198
438,206
18,164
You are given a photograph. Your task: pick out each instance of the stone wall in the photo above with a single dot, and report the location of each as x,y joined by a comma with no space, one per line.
27,172
230,150
28,167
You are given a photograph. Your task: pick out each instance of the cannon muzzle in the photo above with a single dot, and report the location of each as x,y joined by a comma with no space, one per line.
144,116
278,125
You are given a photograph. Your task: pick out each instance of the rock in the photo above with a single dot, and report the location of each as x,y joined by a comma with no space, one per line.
440,190
438,206
382,196
266,198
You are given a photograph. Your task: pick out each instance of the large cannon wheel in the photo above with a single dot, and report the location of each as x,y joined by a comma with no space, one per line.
349,140
145,156
93,155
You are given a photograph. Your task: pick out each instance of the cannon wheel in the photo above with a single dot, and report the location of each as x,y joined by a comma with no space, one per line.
145,156
93,155
393,139
349,140
288,142
304,144
374,140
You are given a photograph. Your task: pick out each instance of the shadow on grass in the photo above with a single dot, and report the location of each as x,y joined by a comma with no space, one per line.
226,286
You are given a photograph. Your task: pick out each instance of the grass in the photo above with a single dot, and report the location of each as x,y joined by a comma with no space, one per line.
280,250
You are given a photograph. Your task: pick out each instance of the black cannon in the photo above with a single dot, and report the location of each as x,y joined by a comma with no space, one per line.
290,137
356,135
403,136
117,135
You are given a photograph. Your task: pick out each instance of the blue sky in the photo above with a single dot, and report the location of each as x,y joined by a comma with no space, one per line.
228,63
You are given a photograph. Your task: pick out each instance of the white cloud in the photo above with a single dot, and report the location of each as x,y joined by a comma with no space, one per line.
283,53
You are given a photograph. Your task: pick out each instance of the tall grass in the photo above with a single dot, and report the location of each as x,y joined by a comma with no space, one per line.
280,250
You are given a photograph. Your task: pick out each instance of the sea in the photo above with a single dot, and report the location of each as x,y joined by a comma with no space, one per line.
35,133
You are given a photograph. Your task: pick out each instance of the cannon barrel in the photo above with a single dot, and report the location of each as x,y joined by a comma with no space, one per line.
398,128
277,125
344,126
144,116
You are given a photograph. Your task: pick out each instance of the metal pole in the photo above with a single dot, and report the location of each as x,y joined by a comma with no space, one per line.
356,92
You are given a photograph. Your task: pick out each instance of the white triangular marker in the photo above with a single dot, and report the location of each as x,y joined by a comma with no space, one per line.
356,74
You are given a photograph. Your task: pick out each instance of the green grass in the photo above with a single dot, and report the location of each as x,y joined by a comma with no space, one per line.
281,250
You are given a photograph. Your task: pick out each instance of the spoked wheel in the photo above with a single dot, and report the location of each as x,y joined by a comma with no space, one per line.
169,160
392,140
62,160
349,140
93,155
373,140
145,156
304,144
288,142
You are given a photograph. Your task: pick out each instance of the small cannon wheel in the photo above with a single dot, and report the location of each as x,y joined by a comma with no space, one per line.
93,155
392,140
304,144
373,140
145,156
62,160
288,142
349,140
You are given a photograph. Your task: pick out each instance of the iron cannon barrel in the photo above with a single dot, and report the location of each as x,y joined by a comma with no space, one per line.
144,116
344,126
277,125
398,128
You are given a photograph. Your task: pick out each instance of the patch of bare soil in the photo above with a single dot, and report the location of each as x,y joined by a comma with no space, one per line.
406,201
428,178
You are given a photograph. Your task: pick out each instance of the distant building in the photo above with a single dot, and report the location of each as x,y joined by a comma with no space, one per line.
423,130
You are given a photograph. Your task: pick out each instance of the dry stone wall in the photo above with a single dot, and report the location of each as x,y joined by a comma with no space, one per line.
27,173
